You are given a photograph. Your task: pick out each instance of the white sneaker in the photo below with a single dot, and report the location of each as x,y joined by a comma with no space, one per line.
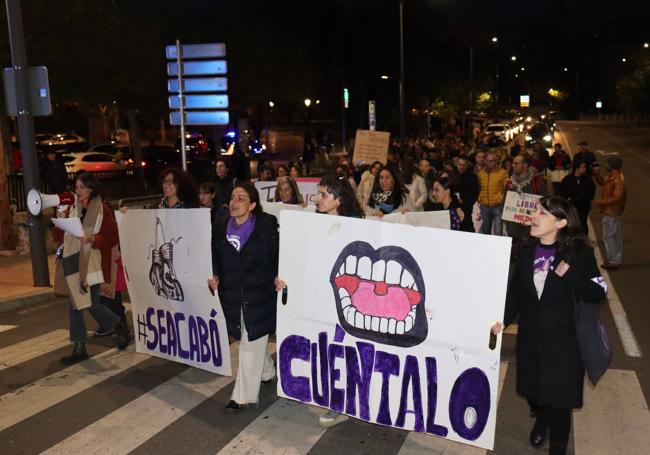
331,418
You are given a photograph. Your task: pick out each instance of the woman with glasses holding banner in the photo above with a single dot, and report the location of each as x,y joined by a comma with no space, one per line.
551,274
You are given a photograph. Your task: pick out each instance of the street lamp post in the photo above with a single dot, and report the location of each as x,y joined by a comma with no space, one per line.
402,113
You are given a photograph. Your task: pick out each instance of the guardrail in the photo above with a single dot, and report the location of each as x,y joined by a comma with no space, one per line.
114,185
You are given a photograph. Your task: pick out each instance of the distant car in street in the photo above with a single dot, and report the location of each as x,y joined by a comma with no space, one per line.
501,130
112,148
540,132
68,142
91,162
196,147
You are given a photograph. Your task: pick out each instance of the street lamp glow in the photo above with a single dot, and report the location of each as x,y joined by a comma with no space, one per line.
513,58
307,102
317,101
646,45
516,75
566,69
523,69
495,39
383,76
624,60
271,104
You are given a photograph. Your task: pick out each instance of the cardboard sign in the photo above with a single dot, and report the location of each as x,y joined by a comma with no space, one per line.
371,146
439,219
308,187
519,207
382,328
274,208
167,261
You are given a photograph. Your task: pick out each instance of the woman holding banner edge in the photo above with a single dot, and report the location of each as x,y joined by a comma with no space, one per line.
335,197
550,273
245,248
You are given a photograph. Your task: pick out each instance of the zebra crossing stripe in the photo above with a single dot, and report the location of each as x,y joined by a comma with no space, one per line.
32,348
424,444
4,328
615,417
286,424
46,392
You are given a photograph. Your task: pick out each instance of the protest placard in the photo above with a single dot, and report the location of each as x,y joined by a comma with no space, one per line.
308,187
380,324
438,219
167,261
371,146
519,207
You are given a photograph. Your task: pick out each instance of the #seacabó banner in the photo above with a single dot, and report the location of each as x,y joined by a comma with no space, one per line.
390,323
308,187
167,258
519,207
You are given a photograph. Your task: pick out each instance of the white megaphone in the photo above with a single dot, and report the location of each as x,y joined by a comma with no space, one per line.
37,201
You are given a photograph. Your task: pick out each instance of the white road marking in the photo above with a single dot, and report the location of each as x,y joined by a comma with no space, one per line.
32,348
4,328
615,417
57,387
137,421
286,427
630,344
426,444
603,152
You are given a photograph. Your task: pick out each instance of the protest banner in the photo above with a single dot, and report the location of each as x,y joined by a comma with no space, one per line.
439,219
371,146
381,326
167,261
308,187
519,207
274,208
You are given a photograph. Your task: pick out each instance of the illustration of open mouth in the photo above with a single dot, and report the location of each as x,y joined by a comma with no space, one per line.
380,294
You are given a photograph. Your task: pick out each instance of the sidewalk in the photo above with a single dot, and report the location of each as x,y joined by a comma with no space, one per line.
16,283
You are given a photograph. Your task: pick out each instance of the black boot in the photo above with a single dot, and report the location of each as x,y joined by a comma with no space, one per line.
539,432
557,447
122,332
78,353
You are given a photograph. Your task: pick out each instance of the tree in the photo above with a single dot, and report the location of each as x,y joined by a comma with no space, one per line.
633,90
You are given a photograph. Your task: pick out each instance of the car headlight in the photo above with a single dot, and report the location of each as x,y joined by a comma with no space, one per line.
529,138
548,138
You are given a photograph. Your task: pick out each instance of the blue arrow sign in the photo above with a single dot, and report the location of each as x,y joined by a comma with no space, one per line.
210,50
203,84
200,118
198,68
200,102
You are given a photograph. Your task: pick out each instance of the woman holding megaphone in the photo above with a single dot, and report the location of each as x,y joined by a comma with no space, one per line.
87,267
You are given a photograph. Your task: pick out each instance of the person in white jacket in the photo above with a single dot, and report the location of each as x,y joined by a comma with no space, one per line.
367,181
416,186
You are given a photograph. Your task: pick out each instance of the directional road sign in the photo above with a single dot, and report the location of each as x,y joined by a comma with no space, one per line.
203,84
200,102
210,50
200,118
198,68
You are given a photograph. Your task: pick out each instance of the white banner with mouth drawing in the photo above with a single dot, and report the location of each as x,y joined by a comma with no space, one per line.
167,261
390,323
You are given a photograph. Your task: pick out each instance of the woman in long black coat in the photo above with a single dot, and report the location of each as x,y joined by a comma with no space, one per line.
245,248
550,272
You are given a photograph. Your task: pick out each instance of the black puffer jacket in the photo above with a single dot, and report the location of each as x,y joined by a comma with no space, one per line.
246,278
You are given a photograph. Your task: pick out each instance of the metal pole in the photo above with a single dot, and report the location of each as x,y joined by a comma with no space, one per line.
181,100
471,76
402,114
40,272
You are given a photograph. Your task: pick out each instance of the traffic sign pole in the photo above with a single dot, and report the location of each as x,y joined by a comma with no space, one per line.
182,103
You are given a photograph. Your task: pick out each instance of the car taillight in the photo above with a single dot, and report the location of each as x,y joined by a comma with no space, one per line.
143,163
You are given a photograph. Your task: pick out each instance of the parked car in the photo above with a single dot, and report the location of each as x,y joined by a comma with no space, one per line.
500,130
112,148
91,162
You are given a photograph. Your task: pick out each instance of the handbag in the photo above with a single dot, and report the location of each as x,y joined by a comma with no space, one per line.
593,343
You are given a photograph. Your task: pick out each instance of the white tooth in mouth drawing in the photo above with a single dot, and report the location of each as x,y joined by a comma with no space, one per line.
376,323
407,280
383,325
391,325
358,320
365,268
342,270
343,293
393,272
399,328
346,302
366,321
351,265
379,270
408,323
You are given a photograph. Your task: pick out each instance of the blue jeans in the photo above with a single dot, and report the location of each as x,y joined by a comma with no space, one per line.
613,239
101,313
490,216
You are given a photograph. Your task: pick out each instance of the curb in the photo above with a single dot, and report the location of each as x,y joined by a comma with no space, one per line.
26,301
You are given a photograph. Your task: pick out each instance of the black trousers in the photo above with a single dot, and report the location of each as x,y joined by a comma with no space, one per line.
558,420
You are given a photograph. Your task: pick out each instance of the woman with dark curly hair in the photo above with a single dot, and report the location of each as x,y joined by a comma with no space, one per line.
553,270
179,190
336,197
388,193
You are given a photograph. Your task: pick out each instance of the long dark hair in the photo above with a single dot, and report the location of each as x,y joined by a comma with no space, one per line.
91,182
399,190
340,188
447,184
253,194
571,236
187,192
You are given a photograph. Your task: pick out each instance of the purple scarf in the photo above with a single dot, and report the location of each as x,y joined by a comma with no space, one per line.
238,235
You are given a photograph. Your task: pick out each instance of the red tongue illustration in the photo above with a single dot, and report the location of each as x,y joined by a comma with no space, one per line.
376,298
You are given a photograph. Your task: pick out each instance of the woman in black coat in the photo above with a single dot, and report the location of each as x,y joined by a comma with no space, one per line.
549,273
245,265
